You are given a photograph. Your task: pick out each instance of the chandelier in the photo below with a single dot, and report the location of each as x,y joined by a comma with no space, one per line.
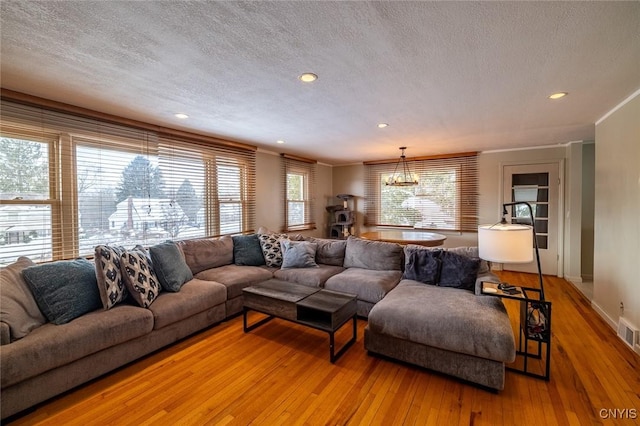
402,177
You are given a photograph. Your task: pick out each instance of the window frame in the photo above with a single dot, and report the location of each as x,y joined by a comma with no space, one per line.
465,199
306,169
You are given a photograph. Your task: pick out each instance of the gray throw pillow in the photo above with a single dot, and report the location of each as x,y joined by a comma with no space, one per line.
423,266
458,271
298,254
169,265
64,290
247,250
18,308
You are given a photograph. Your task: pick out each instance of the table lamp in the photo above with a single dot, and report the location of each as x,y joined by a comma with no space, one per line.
510,242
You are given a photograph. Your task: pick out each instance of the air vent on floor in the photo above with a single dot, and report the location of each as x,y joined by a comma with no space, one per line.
628,333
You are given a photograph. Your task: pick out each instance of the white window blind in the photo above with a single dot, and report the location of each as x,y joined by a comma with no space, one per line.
446,197
299,182
73,182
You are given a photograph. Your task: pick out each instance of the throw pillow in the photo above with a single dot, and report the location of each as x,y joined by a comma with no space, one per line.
170,267
298,254
247,250
18,308
458,271
139,277
423,266
64,290
329,252
109,275
271,250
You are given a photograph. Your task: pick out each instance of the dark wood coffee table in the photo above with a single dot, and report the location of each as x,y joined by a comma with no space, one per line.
317,308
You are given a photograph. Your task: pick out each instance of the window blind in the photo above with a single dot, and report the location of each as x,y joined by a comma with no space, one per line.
298,185
71,181
446,197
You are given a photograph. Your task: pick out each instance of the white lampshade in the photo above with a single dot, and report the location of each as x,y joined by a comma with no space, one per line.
505,243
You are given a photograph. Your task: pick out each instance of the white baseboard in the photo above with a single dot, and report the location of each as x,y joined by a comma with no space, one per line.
573,280
613,324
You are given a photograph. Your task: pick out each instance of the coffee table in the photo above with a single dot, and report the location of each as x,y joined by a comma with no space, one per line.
317,308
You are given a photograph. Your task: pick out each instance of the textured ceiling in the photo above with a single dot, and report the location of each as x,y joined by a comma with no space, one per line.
446,76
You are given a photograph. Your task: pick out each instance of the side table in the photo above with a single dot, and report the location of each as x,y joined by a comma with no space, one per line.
535,325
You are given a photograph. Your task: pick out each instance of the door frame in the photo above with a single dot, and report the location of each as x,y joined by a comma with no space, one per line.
560,212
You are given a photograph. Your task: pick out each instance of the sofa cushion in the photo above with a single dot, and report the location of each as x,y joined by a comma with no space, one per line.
139,276
313,277
52,346
169,265
206,253
329,252
109,275
458,271
369,285
64,290
271,248
374,255
423,266
194,297
18,308
445,318
247,250
235,277
298,254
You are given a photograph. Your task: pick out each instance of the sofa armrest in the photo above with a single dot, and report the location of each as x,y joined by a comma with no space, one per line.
487,276
5,334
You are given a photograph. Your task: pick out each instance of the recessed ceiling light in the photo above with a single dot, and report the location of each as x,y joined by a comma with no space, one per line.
558,95
308,77
382,125
280,141
181,116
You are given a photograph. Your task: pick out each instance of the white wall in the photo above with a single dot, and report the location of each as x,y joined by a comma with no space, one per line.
588,202
616,270
269,192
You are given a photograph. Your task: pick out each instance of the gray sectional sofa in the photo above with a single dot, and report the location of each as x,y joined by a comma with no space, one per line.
449,330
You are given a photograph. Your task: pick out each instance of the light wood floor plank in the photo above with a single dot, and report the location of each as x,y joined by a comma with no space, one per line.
279,374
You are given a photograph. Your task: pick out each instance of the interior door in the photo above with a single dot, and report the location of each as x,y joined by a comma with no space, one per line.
537,184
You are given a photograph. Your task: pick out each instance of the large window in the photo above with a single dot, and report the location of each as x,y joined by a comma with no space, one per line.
70,183
444,199
27,198
299,184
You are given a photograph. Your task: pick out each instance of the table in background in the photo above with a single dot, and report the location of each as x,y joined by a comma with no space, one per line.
429,239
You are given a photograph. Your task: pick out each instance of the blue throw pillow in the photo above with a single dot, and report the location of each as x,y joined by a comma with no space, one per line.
64,290
169,265
423,266
247,250
458,271
298,254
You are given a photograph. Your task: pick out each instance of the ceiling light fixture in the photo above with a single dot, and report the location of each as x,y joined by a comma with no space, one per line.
558,95
404,177
280,141
181,116
308,77
382,125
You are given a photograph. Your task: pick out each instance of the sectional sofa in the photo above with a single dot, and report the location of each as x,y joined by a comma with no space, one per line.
65,323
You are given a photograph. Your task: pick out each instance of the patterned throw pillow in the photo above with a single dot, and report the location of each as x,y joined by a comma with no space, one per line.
109,275
270,244
139,277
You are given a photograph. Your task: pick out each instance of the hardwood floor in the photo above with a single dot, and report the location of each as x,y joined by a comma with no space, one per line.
280,374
